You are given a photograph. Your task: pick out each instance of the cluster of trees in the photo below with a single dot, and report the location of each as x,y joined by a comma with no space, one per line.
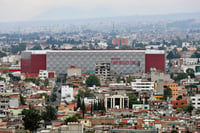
2,54
179,76
33,80
173,55
186,108
81,105
192,89
86,93
32,117
196,54
167,92
92,80
133,100
73,118
99,107
51,40
18,48
37,47
14,78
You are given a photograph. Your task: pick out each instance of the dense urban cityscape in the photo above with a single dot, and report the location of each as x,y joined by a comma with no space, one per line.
134,74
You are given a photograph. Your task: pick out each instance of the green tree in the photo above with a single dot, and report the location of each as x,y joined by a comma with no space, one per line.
91,110
180,76
37,47
92,80
84,47
83,108
74,47
22,101
37,82
129,79
125,47
95,106
53,97
31,119
190,72
184,49
46,82
71,119
49,114
132,99
173,55
118,79
167,92
179,110
103,106
190,89
2,54
79,101
190,108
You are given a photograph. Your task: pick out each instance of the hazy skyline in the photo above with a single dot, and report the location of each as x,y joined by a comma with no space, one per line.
25,10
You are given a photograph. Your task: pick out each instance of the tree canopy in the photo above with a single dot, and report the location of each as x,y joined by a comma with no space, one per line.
133,100
173,55
31,119
167,92
49,114
92,80
71,119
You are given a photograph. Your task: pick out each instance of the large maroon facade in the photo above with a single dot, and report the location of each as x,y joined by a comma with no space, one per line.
33,62
155,60
36,63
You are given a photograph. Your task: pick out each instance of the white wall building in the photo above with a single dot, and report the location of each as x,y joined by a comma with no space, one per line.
116,102
140,85
190,61
10,59
2,86
196,101
43,74
73,71
67,93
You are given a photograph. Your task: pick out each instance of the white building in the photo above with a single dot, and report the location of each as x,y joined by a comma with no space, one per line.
140,85
89,101
43,74
73,71
2,86
103,45
67,93
116,102
196,101
10,59
190,61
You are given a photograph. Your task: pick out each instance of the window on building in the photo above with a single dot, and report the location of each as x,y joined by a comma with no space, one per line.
117,101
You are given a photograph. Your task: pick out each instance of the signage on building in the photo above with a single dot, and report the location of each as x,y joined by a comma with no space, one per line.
117,61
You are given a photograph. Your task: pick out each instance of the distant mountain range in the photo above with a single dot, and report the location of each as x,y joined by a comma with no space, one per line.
136,18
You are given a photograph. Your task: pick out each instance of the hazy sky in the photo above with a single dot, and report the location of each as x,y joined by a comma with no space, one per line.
23,10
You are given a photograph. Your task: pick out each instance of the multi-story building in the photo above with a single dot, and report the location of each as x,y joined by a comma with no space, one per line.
120,41
74,71
174,88
8,100
120,61
103,70
116,102
196,101
2,86
139,85
43,74
67,93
